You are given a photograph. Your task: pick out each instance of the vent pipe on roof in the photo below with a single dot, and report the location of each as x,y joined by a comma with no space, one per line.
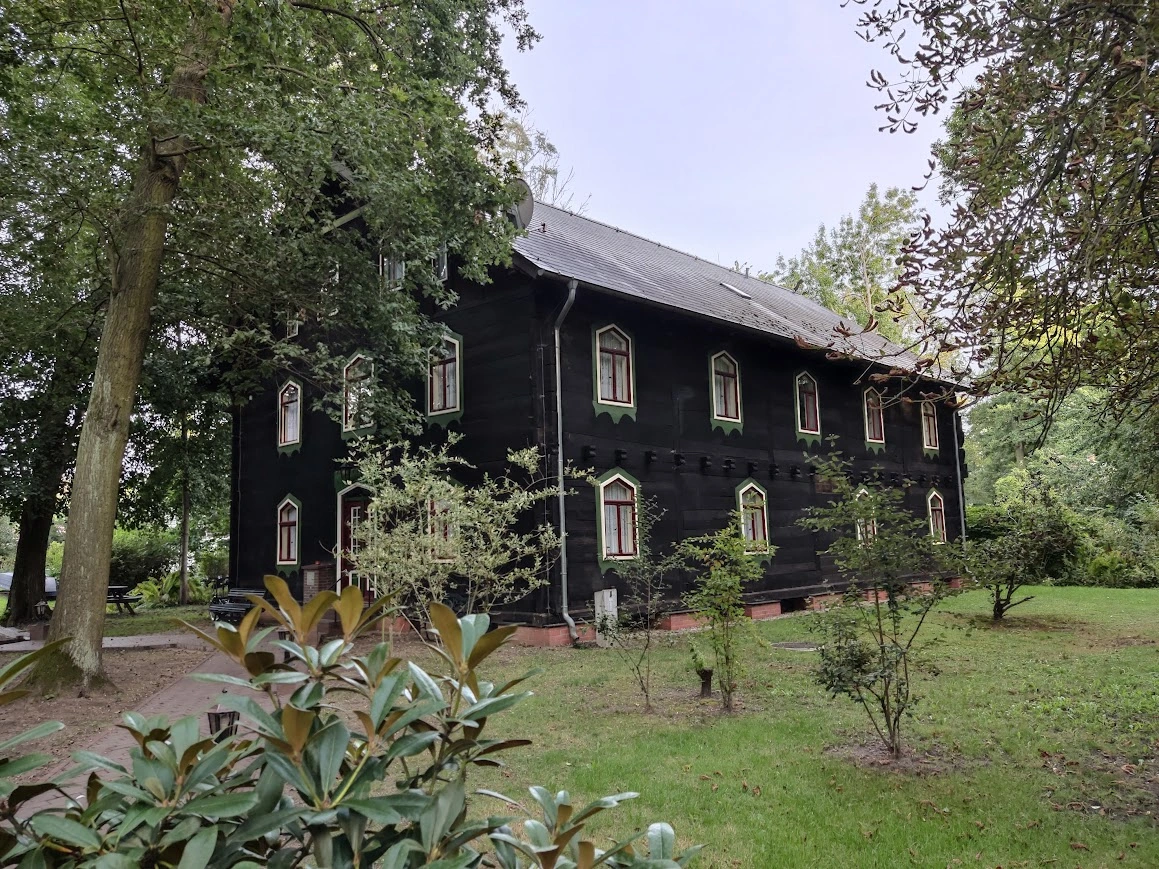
572,632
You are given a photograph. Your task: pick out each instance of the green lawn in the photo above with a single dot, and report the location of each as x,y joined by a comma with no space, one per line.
155,621
1037,746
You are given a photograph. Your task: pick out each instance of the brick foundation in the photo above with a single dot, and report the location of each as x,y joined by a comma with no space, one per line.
820,602
680,622
760,611
551,637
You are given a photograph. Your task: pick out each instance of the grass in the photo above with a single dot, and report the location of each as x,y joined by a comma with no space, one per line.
155,621
1037,746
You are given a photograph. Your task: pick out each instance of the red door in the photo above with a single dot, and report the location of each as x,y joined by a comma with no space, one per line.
353,512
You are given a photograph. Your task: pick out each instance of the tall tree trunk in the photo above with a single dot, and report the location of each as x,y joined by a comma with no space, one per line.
183,592
31,551
84,576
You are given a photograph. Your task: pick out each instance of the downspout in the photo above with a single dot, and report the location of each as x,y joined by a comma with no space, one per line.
571,628
961,482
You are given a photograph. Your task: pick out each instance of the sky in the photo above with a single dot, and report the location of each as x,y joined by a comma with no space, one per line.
729,129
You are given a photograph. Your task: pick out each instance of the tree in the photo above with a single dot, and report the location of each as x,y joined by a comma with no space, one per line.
1045,271
536,159
438,531
852,267
208,149
632,630
873,654
726,565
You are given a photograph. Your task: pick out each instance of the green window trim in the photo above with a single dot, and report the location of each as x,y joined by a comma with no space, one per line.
287,568
616,411
870,444
944,536
726,424
743,486
444,418
290,447
930,450
606,563
353,430
811,438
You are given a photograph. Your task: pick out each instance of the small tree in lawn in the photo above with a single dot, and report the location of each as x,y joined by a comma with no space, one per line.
632,631
428,538
727,564
1024,539
871,652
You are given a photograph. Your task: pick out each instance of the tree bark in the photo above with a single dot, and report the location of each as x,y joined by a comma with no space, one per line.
31,551
84,579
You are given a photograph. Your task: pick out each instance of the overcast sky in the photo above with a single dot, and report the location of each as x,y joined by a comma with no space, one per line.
728,129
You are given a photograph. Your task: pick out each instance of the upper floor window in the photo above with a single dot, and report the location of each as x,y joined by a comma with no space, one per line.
874,417
288,531
392,271
289,414
618,506
866,527
754,517
356,392
808,409
725,388
936,507
929,425
443,378
439,263
615,366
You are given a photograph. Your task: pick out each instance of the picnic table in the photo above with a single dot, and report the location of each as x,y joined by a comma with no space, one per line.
119,596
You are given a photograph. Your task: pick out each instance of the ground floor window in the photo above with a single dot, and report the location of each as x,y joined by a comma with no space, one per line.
937,509
288,517
754,517
618,506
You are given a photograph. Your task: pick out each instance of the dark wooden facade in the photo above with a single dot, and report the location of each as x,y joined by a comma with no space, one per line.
671,447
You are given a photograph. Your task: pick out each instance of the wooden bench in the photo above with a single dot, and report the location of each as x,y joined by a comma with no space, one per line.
232,606
118,596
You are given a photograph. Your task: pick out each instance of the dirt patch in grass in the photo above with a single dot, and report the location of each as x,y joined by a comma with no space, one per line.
134,674
1106,784
1023,622
922,760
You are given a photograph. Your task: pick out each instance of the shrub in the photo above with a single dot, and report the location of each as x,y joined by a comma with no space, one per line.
873,653
309,786
717,597
140,553
167,592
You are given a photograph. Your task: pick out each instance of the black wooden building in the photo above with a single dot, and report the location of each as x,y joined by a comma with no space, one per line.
672,377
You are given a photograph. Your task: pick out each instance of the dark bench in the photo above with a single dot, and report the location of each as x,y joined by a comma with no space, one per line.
232,604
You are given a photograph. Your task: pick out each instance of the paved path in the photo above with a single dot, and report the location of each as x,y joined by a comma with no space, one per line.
144,641
186,696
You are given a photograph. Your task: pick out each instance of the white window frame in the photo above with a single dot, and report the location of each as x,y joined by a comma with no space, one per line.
934,493
866,528
716,411
880,414
291,501
439,264
611,327
797,402
284,441
392,271
458,345
928,442
606,555
350,421
754,546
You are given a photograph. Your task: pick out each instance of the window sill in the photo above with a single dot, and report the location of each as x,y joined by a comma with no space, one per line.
444,418
616,411
728,426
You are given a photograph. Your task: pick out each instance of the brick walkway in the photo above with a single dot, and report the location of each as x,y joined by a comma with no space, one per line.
186,696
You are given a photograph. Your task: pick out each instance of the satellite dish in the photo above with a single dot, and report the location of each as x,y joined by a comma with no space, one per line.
520,213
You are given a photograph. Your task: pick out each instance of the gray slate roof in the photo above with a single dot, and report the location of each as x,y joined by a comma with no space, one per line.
602,256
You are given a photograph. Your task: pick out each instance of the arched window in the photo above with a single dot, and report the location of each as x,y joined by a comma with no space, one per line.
936,507
356,392
618,506
288,516
442,530
866,527
874,417
289,414
808,410
929,425
443,385
615,366
725,388
754,517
